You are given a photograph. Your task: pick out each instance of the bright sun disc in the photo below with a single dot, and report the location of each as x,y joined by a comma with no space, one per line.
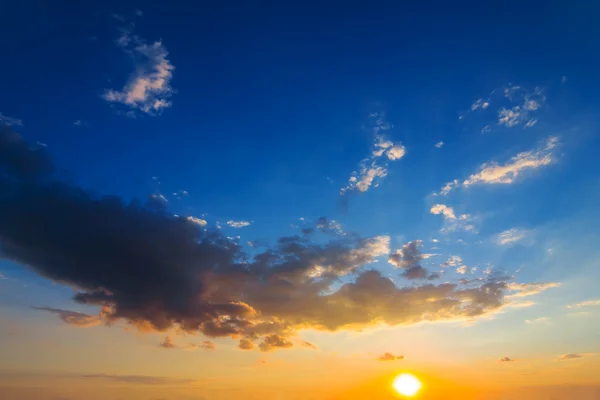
407,384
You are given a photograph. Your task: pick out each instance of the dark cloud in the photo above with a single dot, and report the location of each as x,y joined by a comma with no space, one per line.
141,379
156,271
571,356
389,357
274,341
74,318
246,344
506,359
409,258
304,343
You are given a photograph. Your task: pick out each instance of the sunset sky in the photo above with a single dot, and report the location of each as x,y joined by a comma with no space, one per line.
236,201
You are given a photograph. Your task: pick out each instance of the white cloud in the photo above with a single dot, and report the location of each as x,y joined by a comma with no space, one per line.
529,289
238,224
510,117
462,269
511,236
439,144
494,173
480,104
80,123
149,87
5,120
453,261
507,173
198,221
520,114
538,320
531,123
452,221
372,168
447,212
486,129
588,303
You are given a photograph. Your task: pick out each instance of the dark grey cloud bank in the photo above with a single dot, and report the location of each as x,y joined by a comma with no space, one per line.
141,264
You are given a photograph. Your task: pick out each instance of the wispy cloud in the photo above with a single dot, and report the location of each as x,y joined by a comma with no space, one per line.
140,379
439,145
452,222
149,88
511,236
238,224
529,289
6,120
506,359
587,303
521,114
507,173
539,320
389,357
374,167
571,356
80,123
74,318
481,103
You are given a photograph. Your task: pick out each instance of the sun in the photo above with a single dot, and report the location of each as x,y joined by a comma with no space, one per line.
407,384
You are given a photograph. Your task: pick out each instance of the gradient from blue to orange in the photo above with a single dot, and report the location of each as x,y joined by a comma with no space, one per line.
465,136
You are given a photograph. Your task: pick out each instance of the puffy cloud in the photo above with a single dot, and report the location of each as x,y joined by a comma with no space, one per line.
511,236
506,359
519,114
8,121
439,145
588,303
409,259
238,224
572,356
246,344
74,318
197,281
198,221
447,212
372,168
168,343
273,342
389,357
451,221
149,88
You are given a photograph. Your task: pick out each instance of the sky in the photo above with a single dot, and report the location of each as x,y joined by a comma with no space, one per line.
299,201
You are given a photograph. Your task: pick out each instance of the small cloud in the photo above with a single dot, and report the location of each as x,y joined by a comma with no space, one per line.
2,277
372,168
207,345
119,17
149,87
511,236
238,224
80,123
452,222
139,13
9,121
308,344
481,103
438,145
571,356
531,123
462,269
389,357
274,341
506,359
245,344
140,379
529,289
74,318
167,343
588,303
198,221
539,320
563,79
486,129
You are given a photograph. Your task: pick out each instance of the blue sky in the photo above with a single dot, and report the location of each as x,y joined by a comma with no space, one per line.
259,121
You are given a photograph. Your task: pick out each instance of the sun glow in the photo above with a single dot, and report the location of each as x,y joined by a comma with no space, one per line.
407,385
